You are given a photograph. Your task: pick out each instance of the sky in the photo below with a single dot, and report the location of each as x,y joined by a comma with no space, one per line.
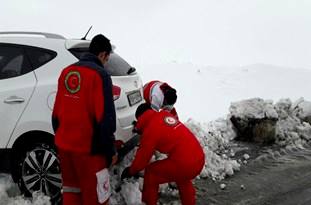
202,32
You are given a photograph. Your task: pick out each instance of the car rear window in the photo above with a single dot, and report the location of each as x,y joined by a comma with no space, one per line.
16,60
116,66
39,56
13,61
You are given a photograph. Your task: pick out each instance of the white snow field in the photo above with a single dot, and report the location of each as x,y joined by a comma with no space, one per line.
206,92
204,97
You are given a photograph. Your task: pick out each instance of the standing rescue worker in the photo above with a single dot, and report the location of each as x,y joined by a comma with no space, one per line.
84,122
160,96
162,132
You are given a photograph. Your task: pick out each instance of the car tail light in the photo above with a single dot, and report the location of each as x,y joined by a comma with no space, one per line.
116,91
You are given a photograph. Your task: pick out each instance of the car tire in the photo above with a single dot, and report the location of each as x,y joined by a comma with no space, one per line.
37,169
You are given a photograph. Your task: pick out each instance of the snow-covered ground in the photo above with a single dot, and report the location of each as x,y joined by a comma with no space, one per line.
204,97
9,194
205,92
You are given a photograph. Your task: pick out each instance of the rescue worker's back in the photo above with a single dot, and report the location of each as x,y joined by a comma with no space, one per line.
185,157
77,108
164,133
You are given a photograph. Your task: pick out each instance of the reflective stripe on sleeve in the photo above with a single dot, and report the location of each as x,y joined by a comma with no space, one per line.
71,189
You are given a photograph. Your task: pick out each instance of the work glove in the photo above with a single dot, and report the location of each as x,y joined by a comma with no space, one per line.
126,173
114,159
135,130
134,123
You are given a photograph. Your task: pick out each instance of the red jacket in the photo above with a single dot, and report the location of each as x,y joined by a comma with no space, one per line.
84,116
164,133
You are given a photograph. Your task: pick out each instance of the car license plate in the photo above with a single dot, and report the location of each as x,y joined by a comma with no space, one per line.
134,97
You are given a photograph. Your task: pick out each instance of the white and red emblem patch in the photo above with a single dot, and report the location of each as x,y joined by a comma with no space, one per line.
170,121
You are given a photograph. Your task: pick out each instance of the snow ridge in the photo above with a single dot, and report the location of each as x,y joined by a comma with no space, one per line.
214,138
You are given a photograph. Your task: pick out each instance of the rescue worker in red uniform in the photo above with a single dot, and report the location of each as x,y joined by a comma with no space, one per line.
162,132
84,122
160,96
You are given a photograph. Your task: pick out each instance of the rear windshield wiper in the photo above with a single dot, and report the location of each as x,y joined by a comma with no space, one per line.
131,70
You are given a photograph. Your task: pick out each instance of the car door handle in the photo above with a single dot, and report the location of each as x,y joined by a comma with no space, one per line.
14,99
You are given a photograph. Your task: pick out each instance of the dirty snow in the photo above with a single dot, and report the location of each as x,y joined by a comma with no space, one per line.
292,130
215,137
9,194
253,108
223,186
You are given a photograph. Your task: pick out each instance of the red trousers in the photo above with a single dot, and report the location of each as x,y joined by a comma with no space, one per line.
167,170
79,177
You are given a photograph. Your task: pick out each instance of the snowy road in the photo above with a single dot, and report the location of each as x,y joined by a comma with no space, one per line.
270,178
280,178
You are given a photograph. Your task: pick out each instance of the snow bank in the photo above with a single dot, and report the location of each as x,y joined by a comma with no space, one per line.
292,128
5,199
255,108
129,191
214,138
302,108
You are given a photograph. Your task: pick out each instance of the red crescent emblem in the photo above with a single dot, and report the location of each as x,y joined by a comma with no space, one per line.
170,121
106,186
72,82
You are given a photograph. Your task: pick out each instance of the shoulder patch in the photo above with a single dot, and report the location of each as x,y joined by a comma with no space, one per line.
73,81
170,121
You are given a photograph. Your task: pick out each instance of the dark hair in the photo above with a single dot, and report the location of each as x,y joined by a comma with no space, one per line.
170,96
99,44
141,109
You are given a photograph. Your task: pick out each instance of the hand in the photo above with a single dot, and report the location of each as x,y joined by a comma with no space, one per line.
135,130
114,159
126,173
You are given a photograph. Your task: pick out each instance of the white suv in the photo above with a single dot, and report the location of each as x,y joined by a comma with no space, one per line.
30,64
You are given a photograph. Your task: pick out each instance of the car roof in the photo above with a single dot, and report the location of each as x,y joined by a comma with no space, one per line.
47,35
42,39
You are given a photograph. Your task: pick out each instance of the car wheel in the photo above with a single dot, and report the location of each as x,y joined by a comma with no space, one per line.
39,171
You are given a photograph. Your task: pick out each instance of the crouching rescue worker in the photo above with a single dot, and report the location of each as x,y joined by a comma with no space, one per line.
162,132
160,95
84,122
